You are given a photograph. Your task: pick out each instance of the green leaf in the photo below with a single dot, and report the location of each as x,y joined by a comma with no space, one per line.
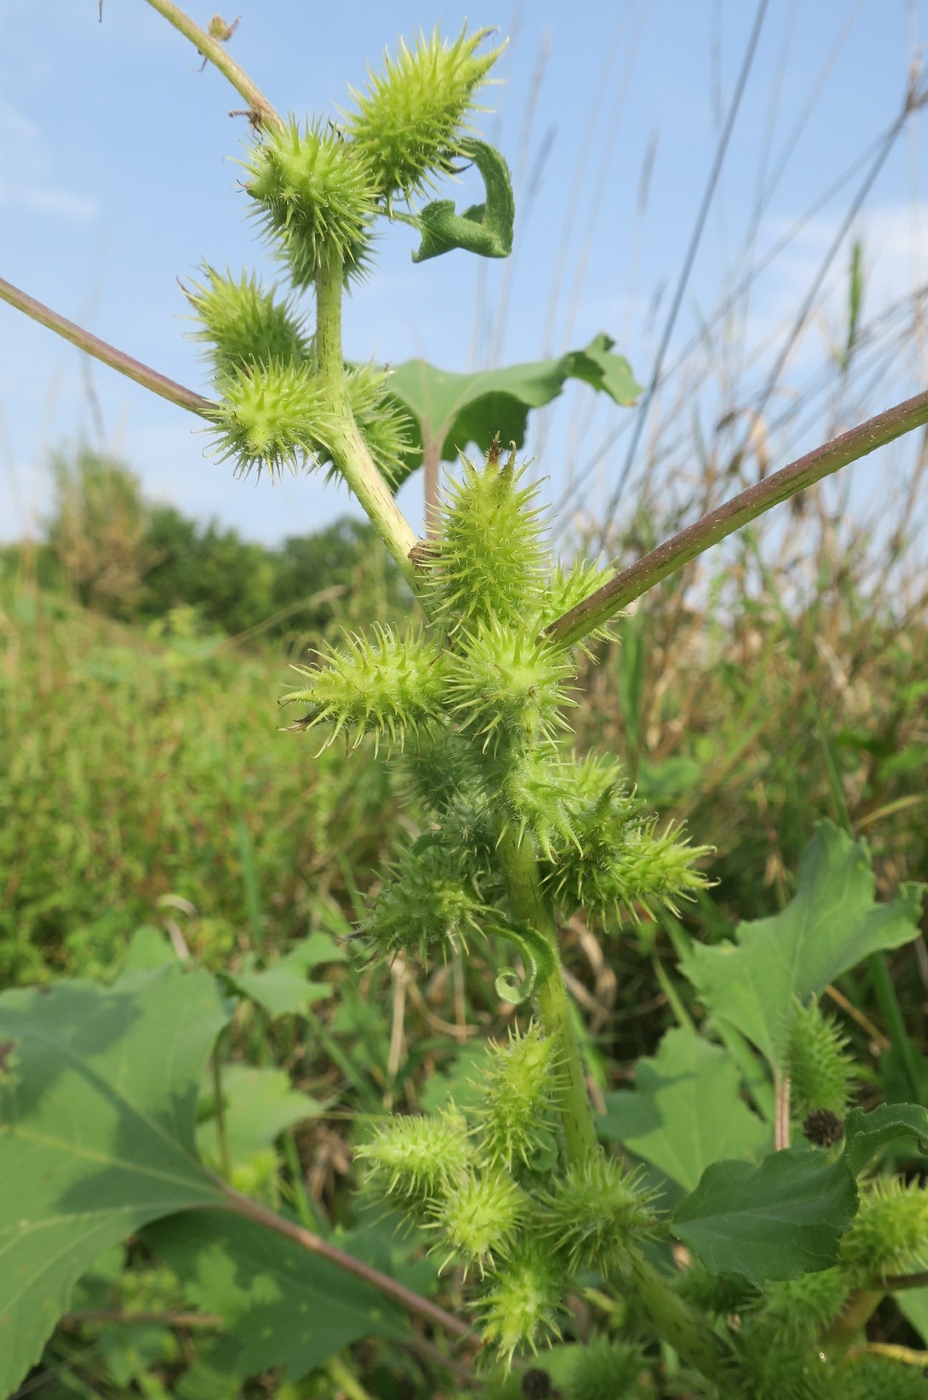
686,1111
776,1221
282,1305
98,1100
913,1304
829,926
865,1134
449,411
484,229
259,1105
283,989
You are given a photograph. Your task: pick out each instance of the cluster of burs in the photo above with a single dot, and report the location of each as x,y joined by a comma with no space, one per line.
473,699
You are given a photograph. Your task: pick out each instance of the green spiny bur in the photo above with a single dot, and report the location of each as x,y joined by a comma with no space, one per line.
410,122
606,1370
596,1214
413,1161
506,688
890,1231
243,325
518,1080
491,560
481,1216
820,1070
313,193
428,903
523,1305
878,1378
272,417
385,685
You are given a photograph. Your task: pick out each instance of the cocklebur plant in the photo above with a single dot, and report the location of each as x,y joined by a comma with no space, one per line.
784,1256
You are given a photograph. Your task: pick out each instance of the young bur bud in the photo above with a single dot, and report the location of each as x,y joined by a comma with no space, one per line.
821,1073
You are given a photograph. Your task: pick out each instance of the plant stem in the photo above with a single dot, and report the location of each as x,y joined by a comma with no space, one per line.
348,449
220,1110
529,905
631,583
781,1111
412,1302
675,1322
100,350
261,111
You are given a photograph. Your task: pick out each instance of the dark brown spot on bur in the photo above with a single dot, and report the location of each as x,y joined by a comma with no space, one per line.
6,1050
536,1384
823,1128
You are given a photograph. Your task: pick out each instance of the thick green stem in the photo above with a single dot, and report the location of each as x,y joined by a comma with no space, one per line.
675,1322
529,905
348,448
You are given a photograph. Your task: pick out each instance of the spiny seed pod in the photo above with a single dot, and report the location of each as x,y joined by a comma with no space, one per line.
522,1308
568,587
271,417
606,1370
313,194
596,1214
518,1081
429,902
480,1217
821,1073
800,1307
491,559
890,1230
243,325
617,860
506,688
878,1378
384,427
385,685
413,1161
530,790
410,122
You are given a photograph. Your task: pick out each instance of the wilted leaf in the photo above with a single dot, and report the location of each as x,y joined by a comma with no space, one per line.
98,1106
776,1221
484,229
282,1306
830,925
448,411
686,1111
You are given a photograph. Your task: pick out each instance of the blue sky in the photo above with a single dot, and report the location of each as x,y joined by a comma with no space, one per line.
117,176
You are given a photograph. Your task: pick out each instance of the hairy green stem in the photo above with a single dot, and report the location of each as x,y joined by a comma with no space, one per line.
675,1321
260,110
631,583
348,448
529,905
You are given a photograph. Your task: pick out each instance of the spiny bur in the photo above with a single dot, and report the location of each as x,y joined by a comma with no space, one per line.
242,324
314,196
385,685
491,560
480,1217
412,1161
410,122
517,1080
523,1306
596,1214
889,1234
820,1070
606,1370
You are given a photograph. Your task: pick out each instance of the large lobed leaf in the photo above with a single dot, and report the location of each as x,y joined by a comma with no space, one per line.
830,925
280,1306
686,1111
452,410
98,1097
776,1221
